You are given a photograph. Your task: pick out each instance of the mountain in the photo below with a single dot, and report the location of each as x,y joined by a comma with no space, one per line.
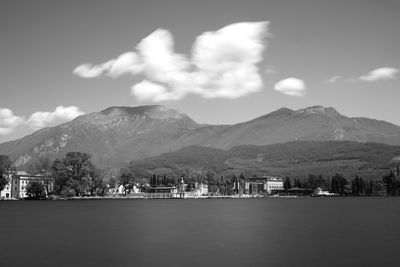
312,123
118,135
293,159
113,136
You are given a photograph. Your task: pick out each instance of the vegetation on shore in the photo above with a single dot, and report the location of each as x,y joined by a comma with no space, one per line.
295,159
76,176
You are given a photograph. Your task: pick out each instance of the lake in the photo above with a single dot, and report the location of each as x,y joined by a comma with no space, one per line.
206,232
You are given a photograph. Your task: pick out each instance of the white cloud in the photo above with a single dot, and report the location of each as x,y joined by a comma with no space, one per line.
160,62
8,121
127,63
147,90
59,115
89,71
291,86
334,79
223,64
385,73
226,60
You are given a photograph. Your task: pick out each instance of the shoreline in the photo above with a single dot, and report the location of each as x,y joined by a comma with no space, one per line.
184,198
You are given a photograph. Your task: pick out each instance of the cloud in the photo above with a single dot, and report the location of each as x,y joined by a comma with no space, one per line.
61,114
291,86
334,79
9,123
385,73
147,90
89,71
220,65
227,67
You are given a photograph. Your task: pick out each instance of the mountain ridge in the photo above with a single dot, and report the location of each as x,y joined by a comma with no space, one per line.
293,159
118,134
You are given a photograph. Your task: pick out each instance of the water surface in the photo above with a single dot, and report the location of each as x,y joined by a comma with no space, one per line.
210,232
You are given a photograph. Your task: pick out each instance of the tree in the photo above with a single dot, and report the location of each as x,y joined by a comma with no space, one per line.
235,183
127,179
287,184
153,180
357,186
391,183
3,182
338,184
5,168
36,190
312,181
297,183
76,175
323,183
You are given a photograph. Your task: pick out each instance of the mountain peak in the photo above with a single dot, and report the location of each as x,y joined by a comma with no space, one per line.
118,135
152,111
277,113
319,110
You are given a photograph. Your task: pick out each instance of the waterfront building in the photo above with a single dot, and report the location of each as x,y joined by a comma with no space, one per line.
18,182
263,185
201,189
23,179
163,189
121,189
6,192
320,193
10,190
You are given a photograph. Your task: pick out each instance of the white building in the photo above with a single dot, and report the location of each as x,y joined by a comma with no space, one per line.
7,192
11,190
320,193
201,189
24,179
264,184
273,183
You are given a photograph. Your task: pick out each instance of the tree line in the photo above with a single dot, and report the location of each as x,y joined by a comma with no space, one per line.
76,175
72,175
389,184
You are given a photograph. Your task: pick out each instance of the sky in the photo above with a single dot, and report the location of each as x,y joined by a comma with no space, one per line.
219,61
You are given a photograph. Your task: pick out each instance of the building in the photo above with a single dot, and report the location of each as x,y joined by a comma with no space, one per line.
318,192
162,189
6,192
263,185
201,189
18,182
25,178
11,189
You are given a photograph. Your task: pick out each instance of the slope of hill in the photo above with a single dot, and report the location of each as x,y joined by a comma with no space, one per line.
113,136
294,159
312,124
118,135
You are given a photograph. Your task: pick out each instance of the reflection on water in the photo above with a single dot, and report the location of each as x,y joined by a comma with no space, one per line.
211,232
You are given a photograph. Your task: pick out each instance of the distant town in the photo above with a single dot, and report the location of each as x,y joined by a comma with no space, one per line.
75,176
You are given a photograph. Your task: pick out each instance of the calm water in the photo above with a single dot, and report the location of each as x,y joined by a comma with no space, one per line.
217,232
